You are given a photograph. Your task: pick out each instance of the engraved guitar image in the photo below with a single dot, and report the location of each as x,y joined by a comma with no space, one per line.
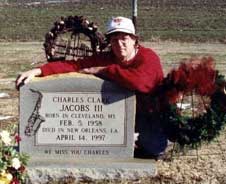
35,118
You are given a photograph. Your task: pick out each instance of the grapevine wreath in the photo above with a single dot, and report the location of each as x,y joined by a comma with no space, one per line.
195,80
77,27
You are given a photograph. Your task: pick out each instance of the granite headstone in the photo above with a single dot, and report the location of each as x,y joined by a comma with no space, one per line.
71,116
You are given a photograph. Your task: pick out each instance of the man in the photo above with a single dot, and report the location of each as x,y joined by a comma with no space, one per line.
130,65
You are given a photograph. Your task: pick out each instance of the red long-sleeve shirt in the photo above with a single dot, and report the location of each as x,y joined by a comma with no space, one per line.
142,74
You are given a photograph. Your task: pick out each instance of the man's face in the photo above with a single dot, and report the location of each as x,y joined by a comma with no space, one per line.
123,45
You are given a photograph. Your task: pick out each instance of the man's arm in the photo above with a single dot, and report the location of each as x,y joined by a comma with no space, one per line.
142,77
138,80
59,67
75,66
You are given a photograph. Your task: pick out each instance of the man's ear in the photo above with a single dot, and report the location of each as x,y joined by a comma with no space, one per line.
136,38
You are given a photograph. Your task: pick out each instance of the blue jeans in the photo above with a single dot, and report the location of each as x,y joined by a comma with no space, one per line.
152,140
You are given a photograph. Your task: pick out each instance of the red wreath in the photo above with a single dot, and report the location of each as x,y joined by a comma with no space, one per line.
198,77
194,74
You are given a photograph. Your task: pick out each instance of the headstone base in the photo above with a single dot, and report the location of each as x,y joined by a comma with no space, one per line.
90,170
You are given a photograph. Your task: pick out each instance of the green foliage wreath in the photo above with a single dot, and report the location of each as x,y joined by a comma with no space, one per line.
193,77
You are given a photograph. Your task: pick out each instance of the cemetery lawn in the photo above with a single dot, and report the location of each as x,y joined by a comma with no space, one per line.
205,165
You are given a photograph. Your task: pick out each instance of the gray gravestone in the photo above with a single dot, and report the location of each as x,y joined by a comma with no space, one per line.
79,126
75,116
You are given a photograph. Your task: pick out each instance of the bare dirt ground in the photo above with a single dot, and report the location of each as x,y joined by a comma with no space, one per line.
207,165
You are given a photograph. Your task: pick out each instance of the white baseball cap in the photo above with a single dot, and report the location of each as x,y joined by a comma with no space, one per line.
120,24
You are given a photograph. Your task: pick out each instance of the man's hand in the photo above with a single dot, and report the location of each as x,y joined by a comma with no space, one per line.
92,70
25,77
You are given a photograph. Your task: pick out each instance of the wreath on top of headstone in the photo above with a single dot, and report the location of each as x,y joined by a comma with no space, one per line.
192,102
74,29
